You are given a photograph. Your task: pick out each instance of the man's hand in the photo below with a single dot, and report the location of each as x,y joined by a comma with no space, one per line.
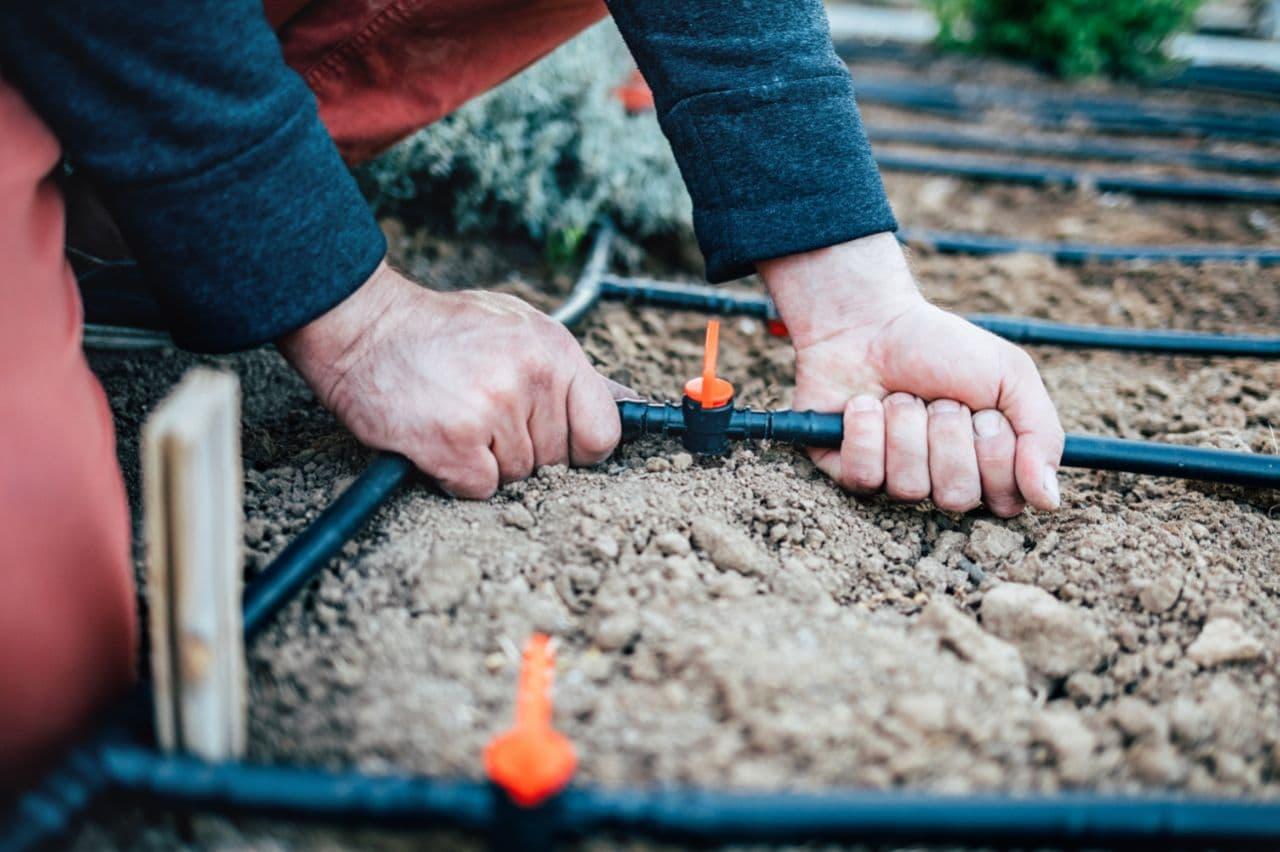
477,389
933,405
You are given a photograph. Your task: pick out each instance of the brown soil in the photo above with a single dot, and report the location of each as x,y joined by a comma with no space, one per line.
743,623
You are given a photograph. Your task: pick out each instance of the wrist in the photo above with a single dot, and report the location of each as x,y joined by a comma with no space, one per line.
324,348
862,283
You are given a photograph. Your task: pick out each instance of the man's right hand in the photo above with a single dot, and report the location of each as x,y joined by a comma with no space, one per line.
477,389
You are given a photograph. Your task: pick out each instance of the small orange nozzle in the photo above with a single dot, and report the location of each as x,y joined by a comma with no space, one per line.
532,761
710,391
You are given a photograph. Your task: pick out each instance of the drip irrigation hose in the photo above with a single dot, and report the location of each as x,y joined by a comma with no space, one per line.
696,816
950,242
1040,175
312,549
241,789
1076,149
990,821
1117,115
815,429
1230,79
714,300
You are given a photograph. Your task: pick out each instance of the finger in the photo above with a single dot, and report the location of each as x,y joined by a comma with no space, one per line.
906,457
862,451
1026,404
513,448
995,444
549,430
953,465
472,475
594,425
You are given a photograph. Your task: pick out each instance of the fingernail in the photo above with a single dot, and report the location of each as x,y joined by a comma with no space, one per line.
864,402
901,399
1051,485
986,424
944,406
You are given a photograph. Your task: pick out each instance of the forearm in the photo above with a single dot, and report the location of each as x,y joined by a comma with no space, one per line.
208,152
761,115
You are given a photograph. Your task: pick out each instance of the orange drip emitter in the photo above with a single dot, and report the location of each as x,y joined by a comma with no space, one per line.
708,390
708,403
532,761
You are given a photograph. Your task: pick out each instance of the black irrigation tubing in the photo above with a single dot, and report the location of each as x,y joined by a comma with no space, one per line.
697,817
714,300
1070,148
1248,82
1116,115
815,429
1033,174
951,242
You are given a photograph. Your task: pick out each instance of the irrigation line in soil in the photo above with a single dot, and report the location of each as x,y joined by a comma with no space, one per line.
951,242
819,429
1229,79
1076,149
1114,115
690,816
715,300
1032,174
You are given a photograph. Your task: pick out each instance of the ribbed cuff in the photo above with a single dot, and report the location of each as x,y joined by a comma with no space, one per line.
775,170
257,246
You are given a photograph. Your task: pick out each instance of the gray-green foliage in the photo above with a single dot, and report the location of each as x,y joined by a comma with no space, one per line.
544,154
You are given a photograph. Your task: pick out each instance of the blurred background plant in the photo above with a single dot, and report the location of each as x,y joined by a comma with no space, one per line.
542,156
1073,38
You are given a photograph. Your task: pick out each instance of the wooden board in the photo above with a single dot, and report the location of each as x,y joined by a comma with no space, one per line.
193,500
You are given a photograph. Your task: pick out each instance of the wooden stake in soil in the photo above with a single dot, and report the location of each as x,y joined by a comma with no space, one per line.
193,498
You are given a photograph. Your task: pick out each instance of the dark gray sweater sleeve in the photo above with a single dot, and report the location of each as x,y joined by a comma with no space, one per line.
208,151
761,115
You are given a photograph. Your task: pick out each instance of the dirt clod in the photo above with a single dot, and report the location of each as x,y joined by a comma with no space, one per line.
730,549
1054,638
1224,640
516,515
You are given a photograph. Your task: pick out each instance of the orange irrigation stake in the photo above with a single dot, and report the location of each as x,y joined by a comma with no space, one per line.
532,761
710,391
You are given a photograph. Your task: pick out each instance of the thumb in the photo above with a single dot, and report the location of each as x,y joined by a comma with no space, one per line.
622,393
1029,410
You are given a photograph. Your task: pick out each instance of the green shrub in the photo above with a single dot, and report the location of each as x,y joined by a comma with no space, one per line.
1074,38
543,155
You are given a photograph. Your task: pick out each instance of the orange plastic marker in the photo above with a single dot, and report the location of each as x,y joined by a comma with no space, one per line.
710,391
635,94
532,761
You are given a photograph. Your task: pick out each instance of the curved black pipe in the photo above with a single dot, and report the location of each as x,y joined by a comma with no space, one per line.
1032,174
714,300
815,429
321,540
950,242
1076,149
